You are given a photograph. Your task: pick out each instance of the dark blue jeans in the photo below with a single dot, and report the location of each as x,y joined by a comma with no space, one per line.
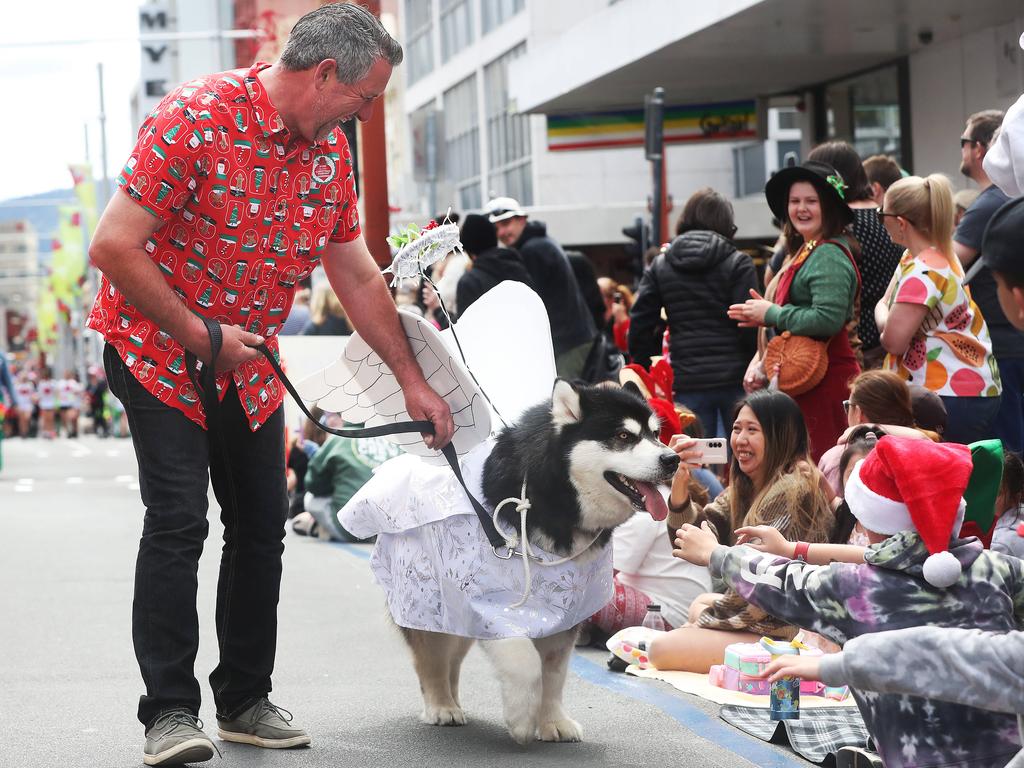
176,465
711,404
1009,424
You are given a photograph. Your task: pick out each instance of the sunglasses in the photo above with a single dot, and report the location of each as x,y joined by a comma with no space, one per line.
846,405
882,214
964,142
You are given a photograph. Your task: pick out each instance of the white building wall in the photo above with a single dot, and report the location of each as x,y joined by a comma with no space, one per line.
951,81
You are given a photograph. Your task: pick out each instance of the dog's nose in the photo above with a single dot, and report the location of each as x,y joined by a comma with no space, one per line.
670,461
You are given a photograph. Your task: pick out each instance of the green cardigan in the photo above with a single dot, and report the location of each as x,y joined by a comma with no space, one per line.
821,297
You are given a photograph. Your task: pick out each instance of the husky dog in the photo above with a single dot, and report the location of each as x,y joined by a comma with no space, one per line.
591,458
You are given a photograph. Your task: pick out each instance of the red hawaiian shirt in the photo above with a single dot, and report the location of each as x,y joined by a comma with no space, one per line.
244,220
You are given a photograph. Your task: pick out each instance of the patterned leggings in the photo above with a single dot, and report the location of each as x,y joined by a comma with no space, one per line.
627,608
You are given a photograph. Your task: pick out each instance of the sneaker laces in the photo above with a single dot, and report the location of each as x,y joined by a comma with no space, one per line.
265,706
175,718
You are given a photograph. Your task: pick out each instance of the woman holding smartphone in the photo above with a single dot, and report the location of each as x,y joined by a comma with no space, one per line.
772,482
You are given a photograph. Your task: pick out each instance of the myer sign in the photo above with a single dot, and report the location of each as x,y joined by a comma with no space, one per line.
157,70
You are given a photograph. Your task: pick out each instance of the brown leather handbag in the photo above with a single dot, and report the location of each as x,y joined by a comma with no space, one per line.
801,360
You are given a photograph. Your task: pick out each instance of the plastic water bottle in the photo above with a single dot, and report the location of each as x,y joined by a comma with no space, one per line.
654,619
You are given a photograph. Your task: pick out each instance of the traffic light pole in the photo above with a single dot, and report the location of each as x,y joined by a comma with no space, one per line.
654,145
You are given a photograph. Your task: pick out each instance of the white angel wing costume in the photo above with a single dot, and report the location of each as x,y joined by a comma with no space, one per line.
432,557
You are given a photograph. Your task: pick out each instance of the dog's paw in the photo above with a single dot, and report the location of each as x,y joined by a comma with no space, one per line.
565,729
522,732
452,715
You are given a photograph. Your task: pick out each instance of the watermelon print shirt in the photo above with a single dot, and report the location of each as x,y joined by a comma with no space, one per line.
952,355
247,213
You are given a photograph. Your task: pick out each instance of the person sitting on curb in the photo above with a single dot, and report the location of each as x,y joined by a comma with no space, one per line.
908,494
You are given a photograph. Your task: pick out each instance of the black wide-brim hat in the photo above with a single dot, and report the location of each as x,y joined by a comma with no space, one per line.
825,178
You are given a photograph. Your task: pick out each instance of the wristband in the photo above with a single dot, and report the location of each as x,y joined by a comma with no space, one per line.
800,552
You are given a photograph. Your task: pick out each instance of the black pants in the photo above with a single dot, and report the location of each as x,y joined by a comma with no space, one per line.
176,464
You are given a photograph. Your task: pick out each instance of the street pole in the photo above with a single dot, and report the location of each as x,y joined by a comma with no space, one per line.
654,146
105,190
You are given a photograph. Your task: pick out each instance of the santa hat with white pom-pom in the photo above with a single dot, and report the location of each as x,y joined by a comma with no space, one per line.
914,485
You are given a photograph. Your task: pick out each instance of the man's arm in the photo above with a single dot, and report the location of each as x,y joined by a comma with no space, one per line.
965,253
357,281
118,250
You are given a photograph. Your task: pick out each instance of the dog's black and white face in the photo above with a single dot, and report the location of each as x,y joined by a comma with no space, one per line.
615,460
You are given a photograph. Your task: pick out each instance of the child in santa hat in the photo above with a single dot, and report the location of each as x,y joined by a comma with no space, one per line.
908,494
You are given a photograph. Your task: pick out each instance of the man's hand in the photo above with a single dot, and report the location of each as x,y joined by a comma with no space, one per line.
424,403
694,544
238,347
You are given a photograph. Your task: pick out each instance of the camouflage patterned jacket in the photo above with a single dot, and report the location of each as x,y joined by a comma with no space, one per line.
842,601
982,669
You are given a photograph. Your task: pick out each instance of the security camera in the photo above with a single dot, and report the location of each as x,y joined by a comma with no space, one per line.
925,36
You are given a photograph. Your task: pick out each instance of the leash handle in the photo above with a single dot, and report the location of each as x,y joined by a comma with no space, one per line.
205,383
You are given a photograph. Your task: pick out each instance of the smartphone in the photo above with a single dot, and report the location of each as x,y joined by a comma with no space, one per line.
715,449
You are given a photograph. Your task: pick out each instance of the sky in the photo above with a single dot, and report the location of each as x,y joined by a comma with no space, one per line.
51,92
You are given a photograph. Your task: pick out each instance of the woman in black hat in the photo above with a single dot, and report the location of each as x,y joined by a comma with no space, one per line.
814,294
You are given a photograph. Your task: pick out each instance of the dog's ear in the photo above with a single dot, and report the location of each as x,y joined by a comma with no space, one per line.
565,403
629,386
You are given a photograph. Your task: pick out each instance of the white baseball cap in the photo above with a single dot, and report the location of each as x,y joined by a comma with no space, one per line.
501,208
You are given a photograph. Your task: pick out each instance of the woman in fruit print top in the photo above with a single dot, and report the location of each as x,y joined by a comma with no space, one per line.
932,331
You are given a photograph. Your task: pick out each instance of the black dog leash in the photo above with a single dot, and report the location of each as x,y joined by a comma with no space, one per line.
205,382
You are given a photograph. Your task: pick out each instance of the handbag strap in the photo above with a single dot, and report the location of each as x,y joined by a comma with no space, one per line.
206,384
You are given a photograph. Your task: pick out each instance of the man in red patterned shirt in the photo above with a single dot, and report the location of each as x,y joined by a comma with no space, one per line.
240,184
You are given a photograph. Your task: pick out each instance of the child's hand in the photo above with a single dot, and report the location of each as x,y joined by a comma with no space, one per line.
804,667
765,538
695,544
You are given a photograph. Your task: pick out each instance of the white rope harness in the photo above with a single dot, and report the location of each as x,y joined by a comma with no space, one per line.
522,507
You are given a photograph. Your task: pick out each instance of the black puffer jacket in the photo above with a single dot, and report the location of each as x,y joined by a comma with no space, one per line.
696,280
555,283
491,267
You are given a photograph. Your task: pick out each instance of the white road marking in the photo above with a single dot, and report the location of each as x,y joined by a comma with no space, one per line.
123,479
113,454
133,486
23,489
74,481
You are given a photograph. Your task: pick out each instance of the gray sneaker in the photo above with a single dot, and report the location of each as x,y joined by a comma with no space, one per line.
263,725
175,738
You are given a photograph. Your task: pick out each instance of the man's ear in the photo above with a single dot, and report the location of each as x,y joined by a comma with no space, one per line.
324,72
565,403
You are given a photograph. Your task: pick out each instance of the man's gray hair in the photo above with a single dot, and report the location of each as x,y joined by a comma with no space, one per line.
345,32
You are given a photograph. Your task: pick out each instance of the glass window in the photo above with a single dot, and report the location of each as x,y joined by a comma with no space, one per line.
462,142
456,27
787,119
419,45
508,134
865,111
748,169
494,13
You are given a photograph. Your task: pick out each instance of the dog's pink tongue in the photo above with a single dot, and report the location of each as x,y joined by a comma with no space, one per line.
653,500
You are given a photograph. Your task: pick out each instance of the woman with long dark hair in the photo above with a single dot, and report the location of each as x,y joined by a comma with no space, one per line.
772,482
814,294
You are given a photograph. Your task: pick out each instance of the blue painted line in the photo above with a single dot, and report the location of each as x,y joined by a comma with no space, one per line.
696,720
359,550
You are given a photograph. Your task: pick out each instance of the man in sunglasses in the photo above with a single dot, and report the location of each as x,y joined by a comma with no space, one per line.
1007,342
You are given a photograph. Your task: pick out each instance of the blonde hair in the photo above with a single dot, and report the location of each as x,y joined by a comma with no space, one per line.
324,304
927,205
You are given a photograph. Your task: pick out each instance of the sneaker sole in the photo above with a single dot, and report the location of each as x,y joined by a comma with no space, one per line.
191,751
257,741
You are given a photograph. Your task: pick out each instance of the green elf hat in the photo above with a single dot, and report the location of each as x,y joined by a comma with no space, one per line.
983,487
